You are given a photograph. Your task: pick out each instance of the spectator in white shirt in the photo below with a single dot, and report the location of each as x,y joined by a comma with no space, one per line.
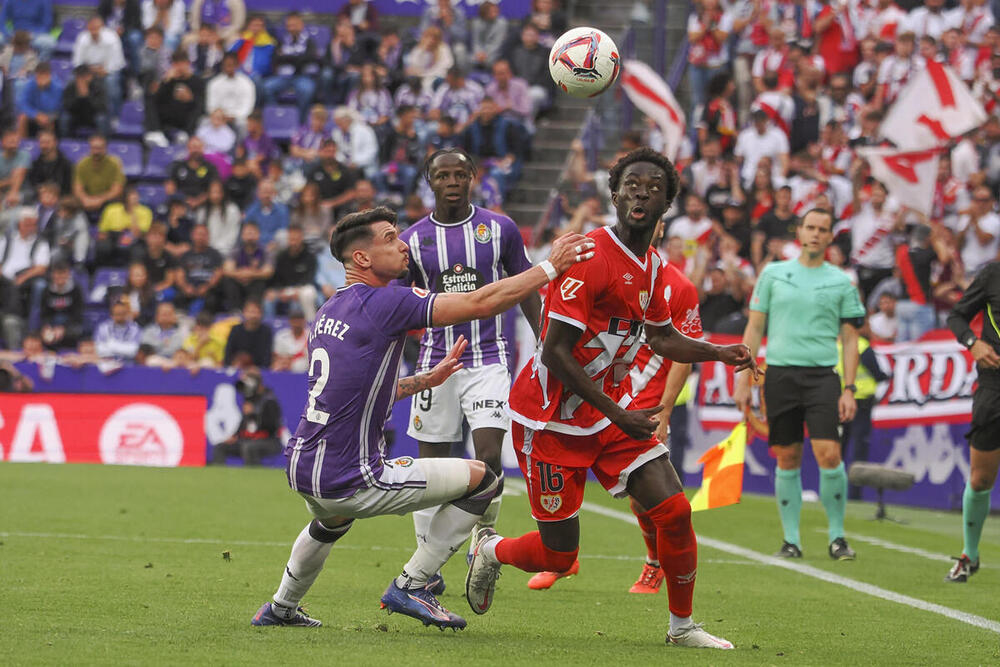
291,345
884,324
169,15
164,335
24,258
118,338
100,48
930,19
761,140
217,136
896,70
979,233
357,145
232,91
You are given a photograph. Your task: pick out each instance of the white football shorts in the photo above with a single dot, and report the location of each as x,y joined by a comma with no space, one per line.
476,394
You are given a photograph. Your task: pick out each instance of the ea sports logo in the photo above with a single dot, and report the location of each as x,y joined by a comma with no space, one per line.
141,434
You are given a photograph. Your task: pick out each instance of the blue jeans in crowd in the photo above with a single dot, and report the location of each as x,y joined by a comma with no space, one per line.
304,86
915,319
336,84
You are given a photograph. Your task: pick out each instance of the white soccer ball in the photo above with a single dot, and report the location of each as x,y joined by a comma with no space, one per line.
584,62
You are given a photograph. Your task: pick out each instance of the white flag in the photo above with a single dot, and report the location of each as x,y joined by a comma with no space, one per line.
908,176
652,96
934,108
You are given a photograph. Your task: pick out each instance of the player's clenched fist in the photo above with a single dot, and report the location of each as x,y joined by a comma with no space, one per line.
638,424
569,249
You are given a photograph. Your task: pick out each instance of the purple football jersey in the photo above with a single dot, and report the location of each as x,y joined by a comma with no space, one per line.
462,257
355,347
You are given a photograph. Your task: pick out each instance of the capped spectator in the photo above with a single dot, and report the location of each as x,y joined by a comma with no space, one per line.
33,17
125,18
228,16
251,341
222,217
14,163
247,269
430,59
99,48
51,166
257,148
307,139
271,216
294,277
164,335
68,231
489,35
511,93
161,266
335,180
291,344
255,49
84,104
39,101
199,275
241,184
122,224
371,100
117,339
296,66
176,104
232,91
98,178
191,176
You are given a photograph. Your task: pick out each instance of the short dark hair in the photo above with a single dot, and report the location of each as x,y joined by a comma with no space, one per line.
645,154
447,151
357,226
822,211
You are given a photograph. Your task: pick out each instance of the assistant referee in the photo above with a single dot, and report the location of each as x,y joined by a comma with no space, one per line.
982,296
805,303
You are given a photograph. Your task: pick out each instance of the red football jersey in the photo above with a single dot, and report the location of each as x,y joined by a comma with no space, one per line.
609,298
649,374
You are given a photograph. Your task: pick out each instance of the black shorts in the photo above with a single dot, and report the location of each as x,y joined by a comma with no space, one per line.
797,395
984,433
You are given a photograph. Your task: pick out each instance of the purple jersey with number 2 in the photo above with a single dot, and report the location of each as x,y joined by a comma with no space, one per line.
462,257
355,347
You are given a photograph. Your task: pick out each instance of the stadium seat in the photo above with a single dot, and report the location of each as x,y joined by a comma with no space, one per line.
62,70
281,122
158,162
71,27
130,153
31,145
74,149
130,121
92,316
103,280
152,195
321,37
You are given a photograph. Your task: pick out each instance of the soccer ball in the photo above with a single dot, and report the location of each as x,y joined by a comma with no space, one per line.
584,62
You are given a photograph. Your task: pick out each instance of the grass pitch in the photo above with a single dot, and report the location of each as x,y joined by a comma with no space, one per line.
102,564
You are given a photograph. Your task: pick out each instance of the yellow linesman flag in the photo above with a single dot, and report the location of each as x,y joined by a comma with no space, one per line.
722,479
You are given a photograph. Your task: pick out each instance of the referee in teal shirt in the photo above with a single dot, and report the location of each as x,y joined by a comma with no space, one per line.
805,303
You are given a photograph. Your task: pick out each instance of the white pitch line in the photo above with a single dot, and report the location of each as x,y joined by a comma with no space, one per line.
902,548
822,575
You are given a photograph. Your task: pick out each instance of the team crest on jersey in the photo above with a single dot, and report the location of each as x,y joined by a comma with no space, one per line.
402,462
643,299
550,503
417,424
483,234
569,288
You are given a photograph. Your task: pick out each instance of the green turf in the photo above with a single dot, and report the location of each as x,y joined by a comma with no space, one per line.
102,564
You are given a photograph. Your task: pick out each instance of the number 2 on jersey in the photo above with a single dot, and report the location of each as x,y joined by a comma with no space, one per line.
312,414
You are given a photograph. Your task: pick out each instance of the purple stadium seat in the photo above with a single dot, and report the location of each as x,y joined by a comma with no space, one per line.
281,122
94,315
62,70
130,153
130,121
158,162
82,278
103,280
71,27
74,149
152,195
31,145
321,37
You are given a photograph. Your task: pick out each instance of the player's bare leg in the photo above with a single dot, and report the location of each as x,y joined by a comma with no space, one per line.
656,488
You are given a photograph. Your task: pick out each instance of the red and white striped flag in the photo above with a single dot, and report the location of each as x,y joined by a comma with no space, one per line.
934,108
909,176
652,96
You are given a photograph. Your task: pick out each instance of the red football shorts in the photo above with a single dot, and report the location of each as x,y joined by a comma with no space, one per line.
556,491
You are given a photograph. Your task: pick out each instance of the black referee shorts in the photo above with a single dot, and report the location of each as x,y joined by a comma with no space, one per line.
984,433
797,395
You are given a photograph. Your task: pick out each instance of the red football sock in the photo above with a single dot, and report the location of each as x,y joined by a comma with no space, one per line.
648,529
529,554
678,547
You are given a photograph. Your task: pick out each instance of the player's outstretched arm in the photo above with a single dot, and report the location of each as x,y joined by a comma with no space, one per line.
753,334
415,384
672,344
504,294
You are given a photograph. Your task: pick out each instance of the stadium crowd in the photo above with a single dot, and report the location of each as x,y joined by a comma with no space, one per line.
783,93
169,176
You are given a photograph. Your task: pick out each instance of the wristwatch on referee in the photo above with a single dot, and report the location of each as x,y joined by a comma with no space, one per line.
853,388
968,340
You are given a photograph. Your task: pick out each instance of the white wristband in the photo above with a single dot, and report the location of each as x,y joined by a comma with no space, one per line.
550,270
